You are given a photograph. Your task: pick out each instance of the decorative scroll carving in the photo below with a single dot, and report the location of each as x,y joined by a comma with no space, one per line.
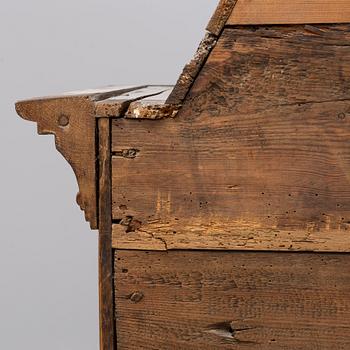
71,120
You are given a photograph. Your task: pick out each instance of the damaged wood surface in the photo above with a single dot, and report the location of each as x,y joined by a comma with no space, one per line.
232,300
148,102
220,17
230,235
257,158
191,70
289,12
70,118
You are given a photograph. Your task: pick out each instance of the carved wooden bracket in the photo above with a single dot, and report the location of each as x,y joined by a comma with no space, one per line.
72,119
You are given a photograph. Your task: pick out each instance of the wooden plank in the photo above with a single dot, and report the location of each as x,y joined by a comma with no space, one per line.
257,158
144,103
191,70
195,234
289,12
107,320
220,16
232,300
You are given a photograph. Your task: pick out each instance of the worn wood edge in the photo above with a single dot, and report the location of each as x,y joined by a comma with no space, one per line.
138,106
71,120
151,110
96,94
191,70
221,16
219,237
106,269
269,12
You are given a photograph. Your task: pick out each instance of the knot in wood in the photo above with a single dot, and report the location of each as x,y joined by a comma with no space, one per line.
63,120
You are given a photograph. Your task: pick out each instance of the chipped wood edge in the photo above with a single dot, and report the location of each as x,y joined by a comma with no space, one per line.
141,107
221,16
193,68
151,110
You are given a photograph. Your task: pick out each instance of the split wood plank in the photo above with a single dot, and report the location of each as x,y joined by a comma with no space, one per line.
260,12
257,158
232,300
145,103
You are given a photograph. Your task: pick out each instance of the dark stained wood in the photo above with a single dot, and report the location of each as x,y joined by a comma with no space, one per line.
232,300
290,12
107,320
257,158
221,16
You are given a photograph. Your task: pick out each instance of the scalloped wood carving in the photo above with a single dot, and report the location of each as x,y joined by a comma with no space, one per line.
71,119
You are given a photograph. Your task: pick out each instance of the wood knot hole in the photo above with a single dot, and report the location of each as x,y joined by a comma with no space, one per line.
136,297
63,120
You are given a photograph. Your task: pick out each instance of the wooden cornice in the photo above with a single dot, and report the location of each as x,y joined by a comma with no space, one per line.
72,119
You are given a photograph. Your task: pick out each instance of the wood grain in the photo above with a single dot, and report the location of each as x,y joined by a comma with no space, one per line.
70,117
191,70
107,319
136,103
72,121
250,12
232,300
257,158
220,16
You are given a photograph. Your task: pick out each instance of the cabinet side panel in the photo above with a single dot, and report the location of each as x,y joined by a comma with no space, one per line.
258,157
232,300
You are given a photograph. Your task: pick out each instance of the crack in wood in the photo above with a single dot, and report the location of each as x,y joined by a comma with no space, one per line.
228,331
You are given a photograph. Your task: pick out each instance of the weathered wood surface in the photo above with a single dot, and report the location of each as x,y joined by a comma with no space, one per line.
220,16
191,70
257,158
71,118
145,103
232,300
290,12
107,319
